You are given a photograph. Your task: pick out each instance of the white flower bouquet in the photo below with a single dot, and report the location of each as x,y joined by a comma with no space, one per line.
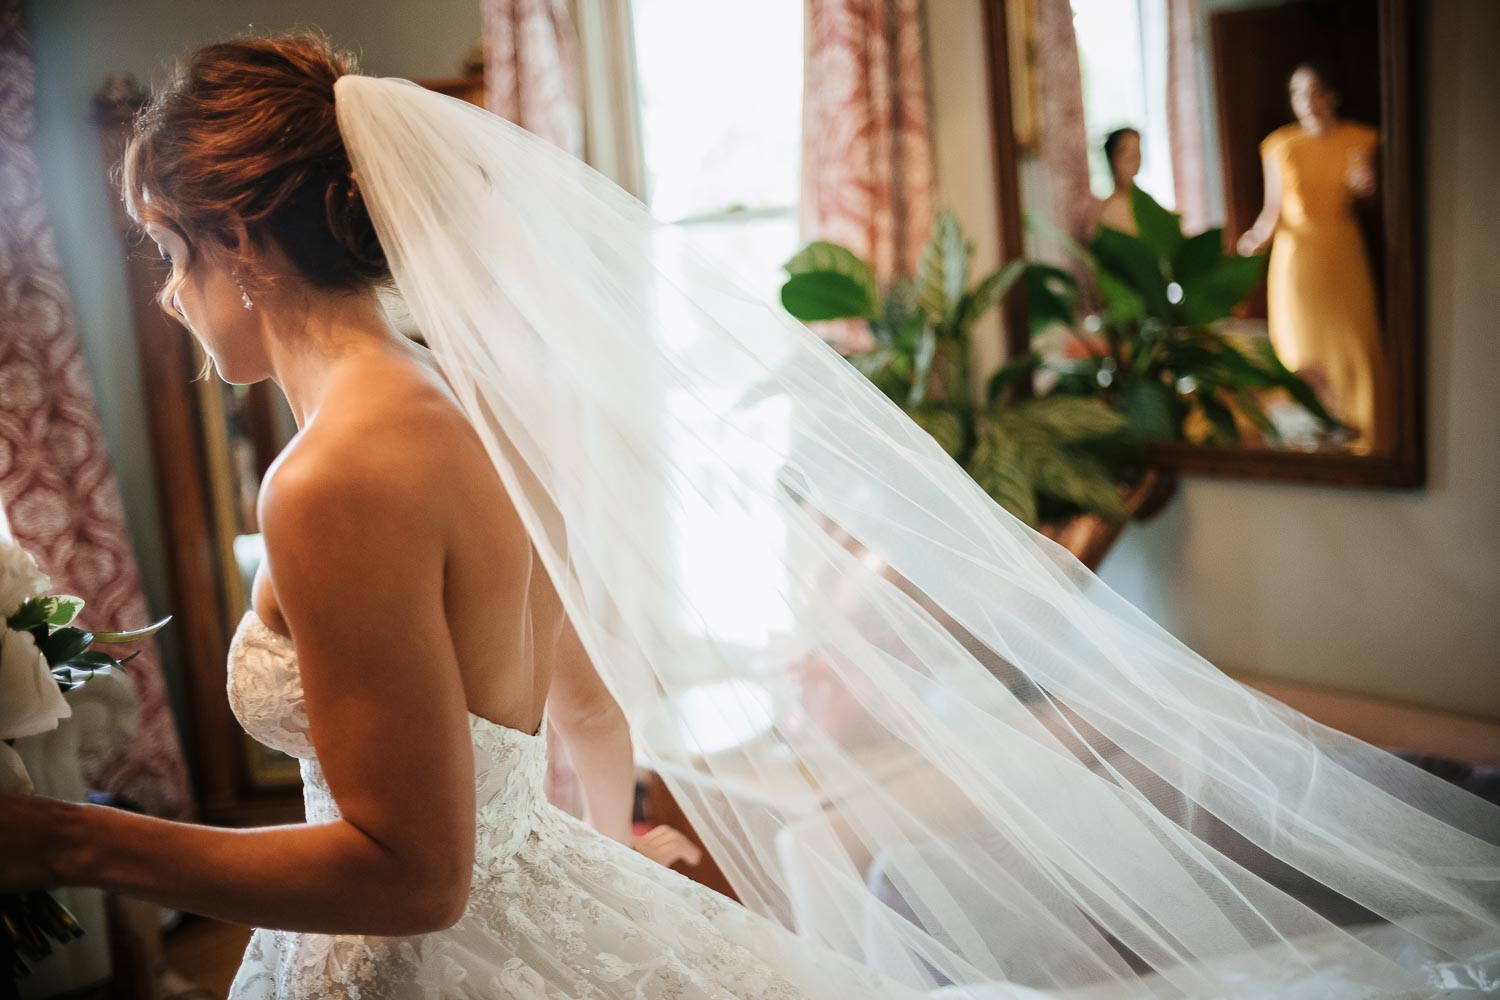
42,655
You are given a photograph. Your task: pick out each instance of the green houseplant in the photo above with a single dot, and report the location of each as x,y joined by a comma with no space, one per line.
1155,351
1151,361
1042,459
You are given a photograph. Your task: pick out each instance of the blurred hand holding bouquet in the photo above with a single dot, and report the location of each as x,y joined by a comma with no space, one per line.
42,655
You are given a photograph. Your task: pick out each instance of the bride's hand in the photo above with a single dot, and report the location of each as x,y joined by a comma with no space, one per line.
30,830
667,847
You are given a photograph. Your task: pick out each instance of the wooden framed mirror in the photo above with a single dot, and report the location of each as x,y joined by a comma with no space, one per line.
1203,91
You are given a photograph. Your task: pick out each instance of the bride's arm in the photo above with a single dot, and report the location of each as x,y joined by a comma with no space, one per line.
357,564
594,729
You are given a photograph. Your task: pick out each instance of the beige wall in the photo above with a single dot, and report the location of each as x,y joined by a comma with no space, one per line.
78,43
1395,594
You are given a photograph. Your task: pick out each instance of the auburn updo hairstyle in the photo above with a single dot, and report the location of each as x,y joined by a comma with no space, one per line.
245,133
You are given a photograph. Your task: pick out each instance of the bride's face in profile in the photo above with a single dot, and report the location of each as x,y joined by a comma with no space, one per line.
204,294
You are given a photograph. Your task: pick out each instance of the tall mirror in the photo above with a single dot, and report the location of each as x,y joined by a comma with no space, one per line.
1250,163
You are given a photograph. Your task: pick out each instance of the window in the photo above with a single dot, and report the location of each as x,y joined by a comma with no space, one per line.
720,88
721,119
1123,58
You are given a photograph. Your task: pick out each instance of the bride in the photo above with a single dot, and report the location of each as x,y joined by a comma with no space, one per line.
1026,787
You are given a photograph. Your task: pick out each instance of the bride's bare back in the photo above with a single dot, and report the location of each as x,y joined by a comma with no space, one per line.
388,421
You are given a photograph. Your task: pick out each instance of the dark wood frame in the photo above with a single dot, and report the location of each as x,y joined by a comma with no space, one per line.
1405,466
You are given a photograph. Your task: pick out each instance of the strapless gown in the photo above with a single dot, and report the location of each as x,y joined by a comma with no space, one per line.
555,909
558,912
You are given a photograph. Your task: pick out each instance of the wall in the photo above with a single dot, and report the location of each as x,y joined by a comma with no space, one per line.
1394,594
964,165
78,43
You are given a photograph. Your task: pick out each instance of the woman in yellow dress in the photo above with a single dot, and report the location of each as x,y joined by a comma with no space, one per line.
1320,294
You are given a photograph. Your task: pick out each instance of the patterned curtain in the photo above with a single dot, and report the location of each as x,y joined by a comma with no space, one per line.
56,484
532,78
1185,116
531,74
1063,136
867,174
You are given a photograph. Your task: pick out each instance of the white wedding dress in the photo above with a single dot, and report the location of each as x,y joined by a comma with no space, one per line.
555,911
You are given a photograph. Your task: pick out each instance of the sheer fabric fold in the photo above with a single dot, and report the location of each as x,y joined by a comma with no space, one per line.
906,726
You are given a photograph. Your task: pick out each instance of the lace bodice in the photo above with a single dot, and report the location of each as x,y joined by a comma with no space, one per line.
555,911
265,692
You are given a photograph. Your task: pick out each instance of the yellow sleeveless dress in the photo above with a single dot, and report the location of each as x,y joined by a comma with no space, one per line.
1320,294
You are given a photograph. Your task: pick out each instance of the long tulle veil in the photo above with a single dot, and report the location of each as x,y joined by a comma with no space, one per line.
906,725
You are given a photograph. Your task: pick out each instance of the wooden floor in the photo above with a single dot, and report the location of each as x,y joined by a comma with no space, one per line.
207,952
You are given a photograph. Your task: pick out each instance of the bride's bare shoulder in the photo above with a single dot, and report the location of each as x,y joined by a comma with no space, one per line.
387,432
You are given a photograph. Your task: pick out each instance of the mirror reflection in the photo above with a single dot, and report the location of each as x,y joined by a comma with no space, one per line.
1258,126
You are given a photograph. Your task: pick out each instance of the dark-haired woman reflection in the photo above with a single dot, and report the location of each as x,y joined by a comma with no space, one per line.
1122,148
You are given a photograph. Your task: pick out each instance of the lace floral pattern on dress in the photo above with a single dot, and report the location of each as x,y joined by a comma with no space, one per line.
555,911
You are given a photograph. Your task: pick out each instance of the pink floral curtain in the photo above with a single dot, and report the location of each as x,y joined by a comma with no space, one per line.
867,174
55,479
531,69
1185,117
1063,135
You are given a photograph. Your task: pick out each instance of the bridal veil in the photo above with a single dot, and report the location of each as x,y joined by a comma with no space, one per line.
905,724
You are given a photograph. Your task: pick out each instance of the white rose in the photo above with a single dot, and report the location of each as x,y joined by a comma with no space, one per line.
30,701
13,777
20,579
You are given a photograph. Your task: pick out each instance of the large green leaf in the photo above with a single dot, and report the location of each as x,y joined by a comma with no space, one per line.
988,293
822,257
1215,294
1150,407
64,644
1020,369
1246,403
825,295
1120,300
56,610
899,312
946,427
1079,479
909,337
1159,229
1133,263
922,366
62,609
32,614
1072,419
1296,386
1051,297
1195,257
1220,418
943,270
997,466
91,660
1243,372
